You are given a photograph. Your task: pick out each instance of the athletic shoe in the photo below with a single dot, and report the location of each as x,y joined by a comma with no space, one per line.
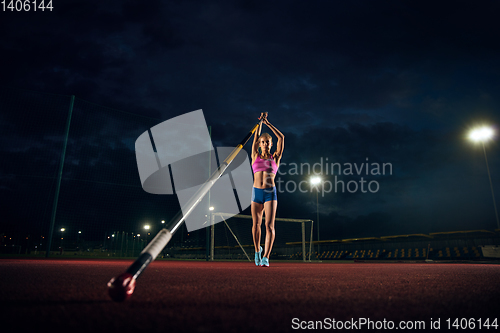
258,258
264,262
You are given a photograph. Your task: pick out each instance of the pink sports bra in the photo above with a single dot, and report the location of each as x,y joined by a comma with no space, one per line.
264,165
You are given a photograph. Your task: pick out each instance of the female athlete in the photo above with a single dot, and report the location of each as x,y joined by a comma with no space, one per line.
264,199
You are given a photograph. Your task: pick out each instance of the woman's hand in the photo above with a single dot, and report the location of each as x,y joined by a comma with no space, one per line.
263,116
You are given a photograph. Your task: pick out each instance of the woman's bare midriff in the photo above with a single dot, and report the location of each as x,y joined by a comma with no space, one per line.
263,179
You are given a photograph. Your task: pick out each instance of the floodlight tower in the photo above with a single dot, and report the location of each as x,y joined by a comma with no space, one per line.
483,134
315,181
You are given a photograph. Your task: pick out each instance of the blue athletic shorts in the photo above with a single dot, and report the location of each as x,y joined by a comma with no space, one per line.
261,195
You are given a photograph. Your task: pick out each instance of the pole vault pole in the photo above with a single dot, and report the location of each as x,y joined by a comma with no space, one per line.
122,287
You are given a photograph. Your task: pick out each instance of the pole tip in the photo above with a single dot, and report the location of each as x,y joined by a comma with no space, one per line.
120,288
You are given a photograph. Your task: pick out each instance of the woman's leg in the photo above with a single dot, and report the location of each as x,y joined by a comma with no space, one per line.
270,210
257,211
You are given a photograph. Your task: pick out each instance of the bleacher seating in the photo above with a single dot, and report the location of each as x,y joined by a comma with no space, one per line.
372,248
446,253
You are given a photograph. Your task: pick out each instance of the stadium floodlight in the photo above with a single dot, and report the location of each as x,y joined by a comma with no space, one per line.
211,208
316,181
62,236
147,227
163,221
483,134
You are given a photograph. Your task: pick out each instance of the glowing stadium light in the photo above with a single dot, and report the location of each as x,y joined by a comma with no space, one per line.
146,227
62,229
162,221
481,134
315,180
211,208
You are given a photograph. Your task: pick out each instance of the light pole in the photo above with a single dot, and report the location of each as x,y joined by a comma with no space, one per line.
147,227
78,239
62,237
211,237
138,242
316,181
483,134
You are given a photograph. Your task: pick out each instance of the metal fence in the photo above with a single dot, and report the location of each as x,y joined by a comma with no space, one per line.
69,181
70,164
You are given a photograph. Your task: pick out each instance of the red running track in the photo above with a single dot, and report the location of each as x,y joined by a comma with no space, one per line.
178,296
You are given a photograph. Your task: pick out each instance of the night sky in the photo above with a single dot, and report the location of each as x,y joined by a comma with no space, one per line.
399,82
